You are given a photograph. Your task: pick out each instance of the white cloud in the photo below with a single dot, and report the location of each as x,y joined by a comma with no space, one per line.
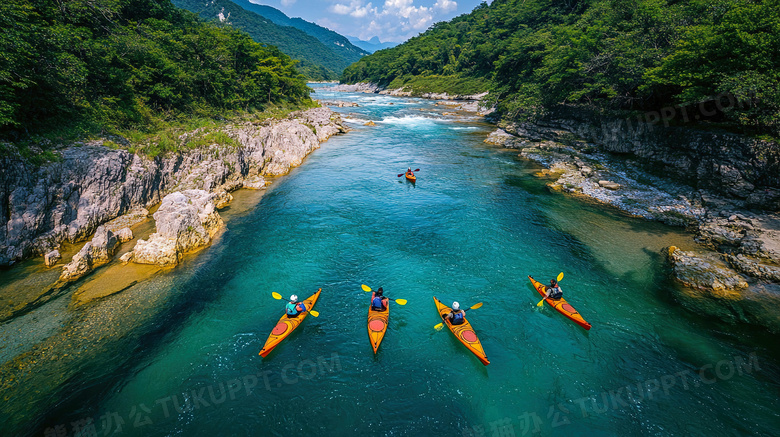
417,18
288,2
340,9
355,9
361,12
445,6
390,20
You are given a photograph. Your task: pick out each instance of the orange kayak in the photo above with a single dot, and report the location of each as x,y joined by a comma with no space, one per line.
287,325
377,325
463,332
560,305
411,177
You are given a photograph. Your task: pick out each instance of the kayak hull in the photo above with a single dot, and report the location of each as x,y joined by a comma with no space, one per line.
411,178
377,325
287,325
561,305
463,332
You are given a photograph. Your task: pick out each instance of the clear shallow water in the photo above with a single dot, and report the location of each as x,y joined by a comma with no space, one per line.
471,229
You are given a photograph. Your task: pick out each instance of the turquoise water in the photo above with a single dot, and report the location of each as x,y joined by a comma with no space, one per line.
472,228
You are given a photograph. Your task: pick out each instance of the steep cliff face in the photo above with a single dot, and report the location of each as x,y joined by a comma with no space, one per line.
736,166
67,200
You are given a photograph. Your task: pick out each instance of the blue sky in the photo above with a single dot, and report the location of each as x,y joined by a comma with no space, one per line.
390,20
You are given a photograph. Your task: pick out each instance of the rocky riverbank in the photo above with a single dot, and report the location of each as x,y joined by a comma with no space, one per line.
457,102
734,218
99,192
66,201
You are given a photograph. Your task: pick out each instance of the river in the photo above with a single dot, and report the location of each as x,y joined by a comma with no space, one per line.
178,353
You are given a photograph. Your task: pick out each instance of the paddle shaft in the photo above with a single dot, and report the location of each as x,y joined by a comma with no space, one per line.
405,173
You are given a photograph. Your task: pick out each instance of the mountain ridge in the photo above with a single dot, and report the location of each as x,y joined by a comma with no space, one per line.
316,60
343,46
372,45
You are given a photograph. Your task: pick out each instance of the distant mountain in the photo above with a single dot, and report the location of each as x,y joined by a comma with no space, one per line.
335,41
371,45
318,61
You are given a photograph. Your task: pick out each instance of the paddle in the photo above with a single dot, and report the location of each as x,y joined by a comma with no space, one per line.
278,296
473,307
560,276
398,301
405,173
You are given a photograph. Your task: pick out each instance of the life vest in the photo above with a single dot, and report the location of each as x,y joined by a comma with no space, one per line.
291,308
377,303
457,317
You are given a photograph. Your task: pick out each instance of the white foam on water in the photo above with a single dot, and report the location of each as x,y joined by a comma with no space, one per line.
354,120
411,120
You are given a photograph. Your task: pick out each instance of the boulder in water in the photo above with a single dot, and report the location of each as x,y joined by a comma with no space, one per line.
185,221
95,253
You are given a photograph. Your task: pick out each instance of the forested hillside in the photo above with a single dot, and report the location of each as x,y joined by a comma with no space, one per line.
612,55
85,66
340,44
317,61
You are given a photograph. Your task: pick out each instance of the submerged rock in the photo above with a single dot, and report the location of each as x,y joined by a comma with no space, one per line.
185,221
500,137
706,272
256,182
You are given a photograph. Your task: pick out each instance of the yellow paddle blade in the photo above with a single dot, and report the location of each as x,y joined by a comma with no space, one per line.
475,306
276,295
560,276
540,303
400,301
314,313
365,287
439,326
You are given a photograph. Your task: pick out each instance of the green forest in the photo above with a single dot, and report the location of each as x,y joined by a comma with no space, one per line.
339,44
606,55
316,60
81,67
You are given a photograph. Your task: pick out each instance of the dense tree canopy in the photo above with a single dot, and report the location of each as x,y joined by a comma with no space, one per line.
118,63
608,54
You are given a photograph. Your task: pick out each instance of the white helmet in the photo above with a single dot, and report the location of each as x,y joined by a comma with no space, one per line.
293,298
455,306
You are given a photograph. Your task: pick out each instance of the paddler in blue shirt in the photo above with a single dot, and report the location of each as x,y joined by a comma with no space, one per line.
294,308
378,301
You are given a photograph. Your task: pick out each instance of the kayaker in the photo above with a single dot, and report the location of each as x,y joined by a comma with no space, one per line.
378,301
294,308
409,172
554,290
456,316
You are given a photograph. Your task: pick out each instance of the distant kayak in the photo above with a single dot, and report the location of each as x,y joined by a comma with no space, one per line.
560,305
463,332
411,177
287,325
377,325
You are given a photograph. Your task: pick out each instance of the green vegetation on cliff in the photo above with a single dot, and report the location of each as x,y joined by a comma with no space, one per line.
636,55
87,66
